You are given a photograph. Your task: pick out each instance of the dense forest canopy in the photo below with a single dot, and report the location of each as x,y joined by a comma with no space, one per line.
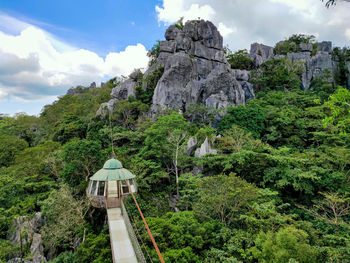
276,191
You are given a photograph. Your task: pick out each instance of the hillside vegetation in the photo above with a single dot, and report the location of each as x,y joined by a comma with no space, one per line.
276,191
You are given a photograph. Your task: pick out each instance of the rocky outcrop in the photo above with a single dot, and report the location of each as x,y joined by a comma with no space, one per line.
191,145
127,87
31,228
314,66
195,69
260,53
121,92
195,72
205,149
243,77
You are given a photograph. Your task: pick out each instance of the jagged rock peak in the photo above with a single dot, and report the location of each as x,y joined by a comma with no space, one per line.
195,69
195,72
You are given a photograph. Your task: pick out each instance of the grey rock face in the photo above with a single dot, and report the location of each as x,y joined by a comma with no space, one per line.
261,53
31,226
306,47
313,66
241,75
205,149
124,89
37,249
325,46
195,70
191,145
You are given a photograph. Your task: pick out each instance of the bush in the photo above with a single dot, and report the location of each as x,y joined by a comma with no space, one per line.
250,117
292,44
277,74
240,60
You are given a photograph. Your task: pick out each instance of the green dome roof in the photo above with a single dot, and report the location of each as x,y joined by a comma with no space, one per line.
112,164
112,171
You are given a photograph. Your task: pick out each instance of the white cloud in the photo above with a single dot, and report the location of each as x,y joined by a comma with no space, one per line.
173,10
347,33
266,21
224,30
35,65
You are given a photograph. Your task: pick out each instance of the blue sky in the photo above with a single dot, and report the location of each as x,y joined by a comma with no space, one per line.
48,46
100,26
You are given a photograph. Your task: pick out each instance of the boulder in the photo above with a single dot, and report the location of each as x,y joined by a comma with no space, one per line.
106,107
205,149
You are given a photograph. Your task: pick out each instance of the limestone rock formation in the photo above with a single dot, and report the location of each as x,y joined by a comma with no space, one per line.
191,145
195,72
195,69
314,66
31,226
260,53
205,149
127,87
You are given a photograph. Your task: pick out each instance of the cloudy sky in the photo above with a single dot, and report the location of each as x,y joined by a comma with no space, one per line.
46,47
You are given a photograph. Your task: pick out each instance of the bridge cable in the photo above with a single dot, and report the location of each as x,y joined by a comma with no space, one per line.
138,233
144,221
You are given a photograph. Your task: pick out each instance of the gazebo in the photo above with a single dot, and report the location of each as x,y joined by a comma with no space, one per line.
109,186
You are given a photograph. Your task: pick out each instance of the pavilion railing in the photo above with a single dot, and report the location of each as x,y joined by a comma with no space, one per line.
139,254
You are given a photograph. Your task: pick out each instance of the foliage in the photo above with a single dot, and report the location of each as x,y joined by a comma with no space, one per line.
146,95
127,112
287,245
277,74
342,74
339,104
292,44
180,24
64,218
154,53
223,196
13,146
181,236
251,118
240,60
82,158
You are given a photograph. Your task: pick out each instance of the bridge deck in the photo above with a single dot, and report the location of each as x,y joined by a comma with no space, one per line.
122,249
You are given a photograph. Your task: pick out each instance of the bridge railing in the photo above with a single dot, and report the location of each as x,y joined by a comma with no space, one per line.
139,254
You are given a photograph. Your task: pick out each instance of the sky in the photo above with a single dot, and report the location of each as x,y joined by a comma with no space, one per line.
46,47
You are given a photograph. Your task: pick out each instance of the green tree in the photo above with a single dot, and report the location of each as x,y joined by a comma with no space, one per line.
285,246
222,197
165,140
277,74
82,158
64,219
250,117
10,146
339,104
240,60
